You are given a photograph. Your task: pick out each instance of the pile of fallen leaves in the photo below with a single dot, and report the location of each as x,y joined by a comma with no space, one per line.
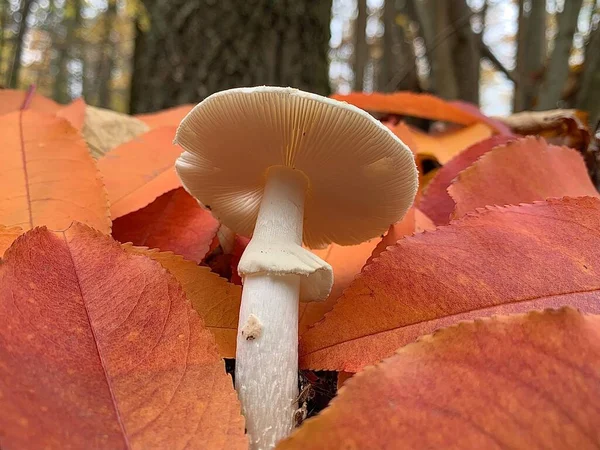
471,323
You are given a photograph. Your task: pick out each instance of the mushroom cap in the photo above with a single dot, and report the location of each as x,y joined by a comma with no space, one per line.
361,177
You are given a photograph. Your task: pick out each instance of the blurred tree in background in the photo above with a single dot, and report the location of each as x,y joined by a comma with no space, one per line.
144,55
193,48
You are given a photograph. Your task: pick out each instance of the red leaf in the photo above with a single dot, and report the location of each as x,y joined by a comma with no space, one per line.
522,171
436,202
499,261
173,222
137,172
101,349
521,382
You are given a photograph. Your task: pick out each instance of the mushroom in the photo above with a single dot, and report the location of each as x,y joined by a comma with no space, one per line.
287,167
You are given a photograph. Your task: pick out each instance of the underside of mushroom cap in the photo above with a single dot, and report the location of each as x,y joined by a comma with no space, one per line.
361,177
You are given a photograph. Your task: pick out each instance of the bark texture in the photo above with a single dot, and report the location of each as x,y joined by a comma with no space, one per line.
531,52
588,96
398,67
557,72
454,52
361,50
196,47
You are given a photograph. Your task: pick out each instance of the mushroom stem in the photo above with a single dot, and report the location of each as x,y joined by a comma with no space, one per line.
266,374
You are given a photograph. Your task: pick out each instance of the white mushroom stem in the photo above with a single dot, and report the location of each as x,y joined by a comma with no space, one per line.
266,374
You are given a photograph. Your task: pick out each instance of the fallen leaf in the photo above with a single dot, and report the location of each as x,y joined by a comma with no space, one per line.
496,261
435,202
521,172
444,146
12,100
216,301
528,381
346,261
7,237
397,231
410,104
494,123
102,349
138,172
47,176
171,117
74,112
104,130
560,126
173,222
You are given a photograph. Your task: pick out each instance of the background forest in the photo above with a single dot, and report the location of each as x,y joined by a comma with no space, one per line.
144,55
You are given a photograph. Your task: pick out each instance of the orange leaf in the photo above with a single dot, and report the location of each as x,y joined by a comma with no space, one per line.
410,104
346,261
445,146
7,237
497,261
171,117
436,202
47,176
521,172
216,300
525,382
173,222
74,112
137,172
102,349
12,100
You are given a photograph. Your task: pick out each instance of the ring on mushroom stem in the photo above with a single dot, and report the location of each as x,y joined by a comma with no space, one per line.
288,167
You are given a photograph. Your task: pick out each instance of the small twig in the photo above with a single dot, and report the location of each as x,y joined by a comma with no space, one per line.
28,97
487,53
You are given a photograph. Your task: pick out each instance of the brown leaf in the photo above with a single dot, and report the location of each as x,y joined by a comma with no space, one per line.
47,176
435,201
560,126
105,130
216,300
497,261
521,171
101,348
523,382
138,172
173,222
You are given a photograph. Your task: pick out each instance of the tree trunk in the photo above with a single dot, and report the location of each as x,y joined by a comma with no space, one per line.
107,62
588,95
4,14
361,50
531,53
398,67
466,52
193,49
442,64
557,72
65,52
13,80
